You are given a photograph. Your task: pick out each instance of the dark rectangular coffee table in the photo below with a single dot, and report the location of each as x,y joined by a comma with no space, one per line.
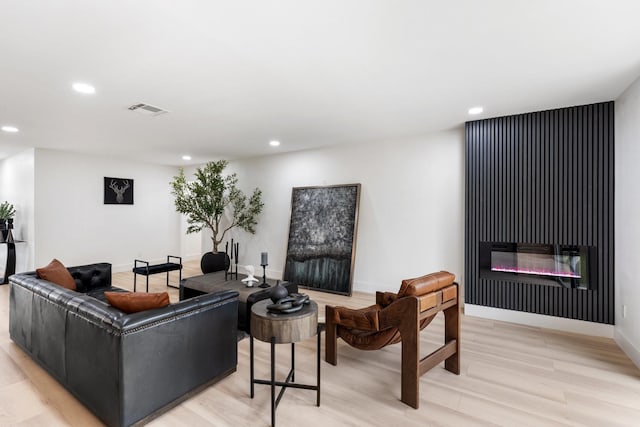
211,282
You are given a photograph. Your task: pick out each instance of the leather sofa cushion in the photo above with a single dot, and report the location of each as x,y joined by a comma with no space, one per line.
368,340
365,319
375,340
426,284
56,272
92,276
131,302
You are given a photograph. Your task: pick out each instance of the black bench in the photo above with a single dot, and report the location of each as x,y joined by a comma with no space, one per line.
147,270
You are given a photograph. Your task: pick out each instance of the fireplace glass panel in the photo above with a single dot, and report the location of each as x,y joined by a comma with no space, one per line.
554,265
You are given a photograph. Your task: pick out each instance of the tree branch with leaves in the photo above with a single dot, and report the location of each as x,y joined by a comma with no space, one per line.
206,199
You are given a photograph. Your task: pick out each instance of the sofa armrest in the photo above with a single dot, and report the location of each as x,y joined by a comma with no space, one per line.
403,310
383,299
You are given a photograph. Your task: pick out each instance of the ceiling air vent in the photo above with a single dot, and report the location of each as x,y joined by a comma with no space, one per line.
147,109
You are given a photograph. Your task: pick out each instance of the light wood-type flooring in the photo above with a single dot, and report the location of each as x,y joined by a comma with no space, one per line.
511,375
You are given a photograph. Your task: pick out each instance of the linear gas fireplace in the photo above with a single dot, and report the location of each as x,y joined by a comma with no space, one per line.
542,177
567,266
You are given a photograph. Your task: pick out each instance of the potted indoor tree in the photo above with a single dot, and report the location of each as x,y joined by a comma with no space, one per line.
213,201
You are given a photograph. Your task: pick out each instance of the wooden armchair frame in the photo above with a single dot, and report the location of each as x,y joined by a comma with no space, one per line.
408,315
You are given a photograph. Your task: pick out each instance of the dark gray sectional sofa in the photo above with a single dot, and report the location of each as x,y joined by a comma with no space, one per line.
125,368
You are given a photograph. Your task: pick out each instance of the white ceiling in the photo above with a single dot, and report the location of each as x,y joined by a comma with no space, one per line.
235,74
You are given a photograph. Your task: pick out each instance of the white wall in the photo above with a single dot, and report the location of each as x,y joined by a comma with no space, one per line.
627,225
411,218
192,244
73,224
17,187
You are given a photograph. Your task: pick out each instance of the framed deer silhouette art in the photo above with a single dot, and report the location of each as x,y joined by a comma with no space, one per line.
118,191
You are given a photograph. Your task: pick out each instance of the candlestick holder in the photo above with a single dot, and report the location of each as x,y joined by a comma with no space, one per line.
235,250
226,251
264,283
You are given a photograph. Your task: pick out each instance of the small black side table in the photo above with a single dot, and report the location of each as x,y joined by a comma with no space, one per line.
284,329
10,267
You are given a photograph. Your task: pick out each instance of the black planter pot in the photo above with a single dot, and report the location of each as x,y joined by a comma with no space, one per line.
3,230
211,262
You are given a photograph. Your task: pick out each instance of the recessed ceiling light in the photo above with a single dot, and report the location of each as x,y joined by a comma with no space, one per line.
11,129
84,88
274,143
186,157
475,110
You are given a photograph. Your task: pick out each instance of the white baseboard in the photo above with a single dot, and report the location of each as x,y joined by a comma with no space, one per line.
630,350
271,274
191,257
366,287
540,320
357,286
119,268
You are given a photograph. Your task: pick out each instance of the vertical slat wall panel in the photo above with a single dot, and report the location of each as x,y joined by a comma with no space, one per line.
547,178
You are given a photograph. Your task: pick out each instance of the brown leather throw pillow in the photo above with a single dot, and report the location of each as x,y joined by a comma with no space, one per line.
132,302
57,273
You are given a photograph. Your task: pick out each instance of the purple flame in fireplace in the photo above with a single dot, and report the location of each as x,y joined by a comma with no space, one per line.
539,264
538,272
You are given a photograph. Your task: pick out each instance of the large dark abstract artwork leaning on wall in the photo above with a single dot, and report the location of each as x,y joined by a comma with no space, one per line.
322,235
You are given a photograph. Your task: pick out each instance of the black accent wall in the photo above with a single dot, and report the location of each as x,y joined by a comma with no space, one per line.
547,178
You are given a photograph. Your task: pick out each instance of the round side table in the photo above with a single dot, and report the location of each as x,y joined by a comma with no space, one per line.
284,329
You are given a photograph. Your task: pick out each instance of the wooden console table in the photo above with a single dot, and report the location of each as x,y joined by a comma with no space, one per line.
284,329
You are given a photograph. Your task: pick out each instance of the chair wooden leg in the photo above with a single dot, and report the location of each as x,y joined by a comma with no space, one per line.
452,332
331,338
410,392
407,313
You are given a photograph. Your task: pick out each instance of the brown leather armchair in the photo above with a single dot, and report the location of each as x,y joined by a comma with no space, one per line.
400,318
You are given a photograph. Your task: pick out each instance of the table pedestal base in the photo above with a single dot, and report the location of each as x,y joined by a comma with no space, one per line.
289,381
